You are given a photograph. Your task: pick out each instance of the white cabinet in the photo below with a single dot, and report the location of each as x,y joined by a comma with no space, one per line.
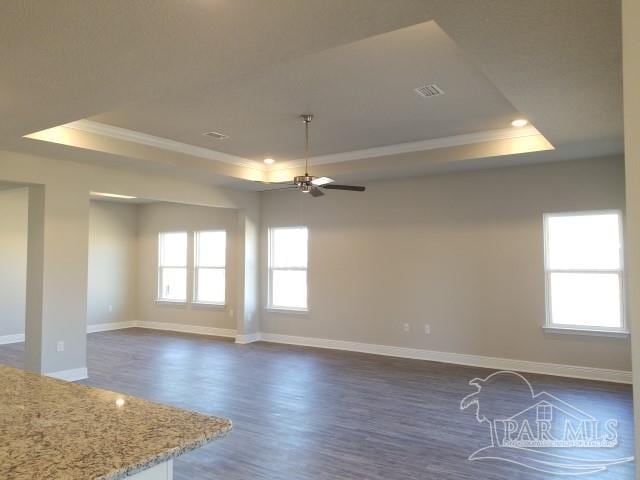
162,471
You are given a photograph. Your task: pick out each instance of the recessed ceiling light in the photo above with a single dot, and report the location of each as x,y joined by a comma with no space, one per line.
112,195
519,122
269,161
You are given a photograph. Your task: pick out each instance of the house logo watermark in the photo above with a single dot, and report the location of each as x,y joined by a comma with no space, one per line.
538,430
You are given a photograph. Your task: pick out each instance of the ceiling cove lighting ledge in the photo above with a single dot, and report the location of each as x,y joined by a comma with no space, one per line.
133,136
419,146
112,195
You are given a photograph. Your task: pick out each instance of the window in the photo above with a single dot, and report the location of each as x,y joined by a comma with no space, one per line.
210,261
172,266
288,268
584,271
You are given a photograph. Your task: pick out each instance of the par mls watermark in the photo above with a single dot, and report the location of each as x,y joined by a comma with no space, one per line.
539,430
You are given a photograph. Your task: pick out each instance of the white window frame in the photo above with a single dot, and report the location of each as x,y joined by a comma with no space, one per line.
270,305
161,267
196,268
563,328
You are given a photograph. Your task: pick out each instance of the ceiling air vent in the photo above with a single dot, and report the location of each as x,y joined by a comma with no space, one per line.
216,135
429,91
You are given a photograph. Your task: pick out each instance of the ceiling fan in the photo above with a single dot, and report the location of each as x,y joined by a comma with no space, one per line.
309,184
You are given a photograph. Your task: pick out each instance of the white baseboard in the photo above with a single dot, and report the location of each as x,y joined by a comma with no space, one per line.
178,327
243,339
100,327
72,375
106,327
172,327
17,338
494,363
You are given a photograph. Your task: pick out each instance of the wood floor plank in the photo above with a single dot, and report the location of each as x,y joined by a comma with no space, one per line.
303,413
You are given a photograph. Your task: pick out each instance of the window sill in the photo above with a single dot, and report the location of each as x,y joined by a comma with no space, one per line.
216,306
290,311
586,331
171,302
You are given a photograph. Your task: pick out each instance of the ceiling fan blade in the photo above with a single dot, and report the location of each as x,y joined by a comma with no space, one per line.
351,188
318,182
290,187
316,192
272,183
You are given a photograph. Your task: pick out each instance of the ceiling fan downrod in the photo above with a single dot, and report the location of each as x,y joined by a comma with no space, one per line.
313,185
304,181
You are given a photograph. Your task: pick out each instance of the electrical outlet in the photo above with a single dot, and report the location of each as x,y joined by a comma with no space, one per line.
406,327
427,329
231,312
110,308
60,346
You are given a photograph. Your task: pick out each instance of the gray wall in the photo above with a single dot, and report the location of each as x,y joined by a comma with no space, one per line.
122,264
112,290
460,252
158,217
13,260
57,266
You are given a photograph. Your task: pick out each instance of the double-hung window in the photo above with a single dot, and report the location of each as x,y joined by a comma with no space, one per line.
584,271
288,268
209,267
172,266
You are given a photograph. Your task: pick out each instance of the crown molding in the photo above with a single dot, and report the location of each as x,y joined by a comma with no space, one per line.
89,126
409,147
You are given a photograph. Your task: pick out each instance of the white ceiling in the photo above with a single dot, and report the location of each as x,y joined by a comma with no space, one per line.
362,95
74,59
249,67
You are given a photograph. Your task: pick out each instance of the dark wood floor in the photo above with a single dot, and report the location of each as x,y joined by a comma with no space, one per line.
302,413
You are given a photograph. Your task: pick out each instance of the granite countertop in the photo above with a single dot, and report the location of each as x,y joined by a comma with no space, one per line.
51,429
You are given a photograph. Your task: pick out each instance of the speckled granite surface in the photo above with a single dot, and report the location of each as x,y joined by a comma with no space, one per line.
50,429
